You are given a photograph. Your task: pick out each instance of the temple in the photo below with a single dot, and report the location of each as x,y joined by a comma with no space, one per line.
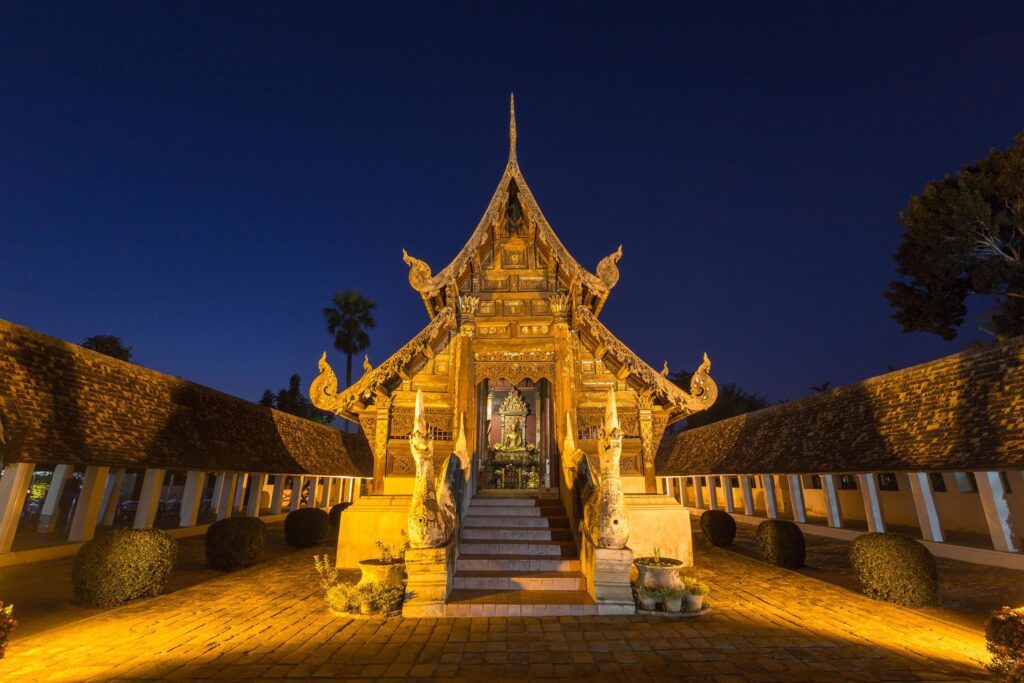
514,395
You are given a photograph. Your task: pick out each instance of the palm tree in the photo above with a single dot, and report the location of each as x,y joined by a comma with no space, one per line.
348,320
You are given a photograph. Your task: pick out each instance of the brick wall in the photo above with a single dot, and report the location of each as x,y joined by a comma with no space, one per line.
961,412
61,403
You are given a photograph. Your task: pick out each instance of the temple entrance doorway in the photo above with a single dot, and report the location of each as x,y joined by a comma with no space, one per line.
515,436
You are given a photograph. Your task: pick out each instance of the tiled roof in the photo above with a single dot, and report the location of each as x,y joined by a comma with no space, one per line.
61,403
961,412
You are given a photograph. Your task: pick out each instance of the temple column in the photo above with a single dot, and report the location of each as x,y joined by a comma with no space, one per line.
730,504
90,500
771,504
48,516
252,506
296,501
238,502
191,497
648,447
14,485
796,499
748,495
311,494
218,488
111,497
832,510
278,496
872,503
681,483
712,492
924,503
149,498
698,493
997,511
225,508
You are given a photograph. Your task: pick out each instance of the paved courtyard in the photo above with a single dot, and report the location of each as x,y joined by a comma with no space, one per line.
269,622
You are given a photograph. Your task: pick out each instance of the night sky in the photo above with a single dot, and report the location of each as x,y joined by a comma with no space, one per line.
199,178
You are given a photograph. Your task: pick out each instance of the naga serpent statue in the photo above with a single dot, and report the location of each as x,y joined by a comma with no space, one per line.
605,521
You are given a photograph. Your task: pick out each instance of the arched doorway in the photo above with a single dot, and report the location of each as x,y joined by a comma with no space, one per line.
515,435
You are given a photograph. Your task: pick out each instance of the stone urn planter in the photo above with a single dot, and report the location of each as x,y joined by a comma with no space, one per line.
386,573
658,572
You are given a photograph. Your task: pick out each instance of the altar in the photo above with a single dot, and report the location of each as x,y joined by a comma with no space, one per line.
514,461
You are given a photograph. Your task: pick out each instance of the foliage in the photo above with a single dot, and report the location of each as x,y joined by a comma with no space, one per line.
388,555
651,593
306,527
123,564
964,235
108,345
821,388
234,542
895,568
1004,634
293,402
40,484
377,597
348,319
7,624
326,571
718,526
335,515
692,586
782,543
731,401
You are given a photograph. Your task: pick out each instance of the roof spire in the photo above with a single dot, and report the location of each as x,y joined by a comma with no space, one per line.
512,127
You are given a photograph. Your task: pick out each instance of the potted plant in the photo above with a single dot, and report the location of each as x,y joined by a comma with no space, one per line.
657,571
389,567
695,592
647,598
390,598
672,599
369,597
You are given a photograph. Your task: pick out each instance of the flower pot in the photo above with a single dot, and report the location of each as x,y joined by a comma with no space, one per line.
393,606
366,608
648,603
674,604
694,603
660,573
392,574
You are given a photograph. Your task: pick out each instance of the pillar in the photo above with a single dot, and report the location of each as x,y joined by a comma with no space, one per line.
357,489
90,501
13,489
350,484
712,493
111,498
218,488
997,511
771,504
225,505
832,510
698,493
730,505
748,495
278,495
149,498
681,485
296,492
325,491
311,496
238,502
252,508
872,504
796,498
924,503
48,515
191,497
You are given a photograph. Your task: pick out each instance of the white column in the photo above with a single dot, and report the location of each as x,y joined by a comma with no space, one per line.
111,497
278,495
191,497
748,495
225,505
771,504
48,515
311,495
698,493
796,499
730,505
325,491
149,499
997,511
90,501
296,492
218,488
712,493
681,485
872,503
13,489
832,510
239,500
924,502
252,508
350,484
357,489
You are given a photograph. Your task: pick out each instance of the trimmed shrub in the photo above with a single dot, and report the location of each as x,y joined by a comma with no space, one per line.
718,526
1004,633
123,564
335,515
234,542
781,543
894,568
305,527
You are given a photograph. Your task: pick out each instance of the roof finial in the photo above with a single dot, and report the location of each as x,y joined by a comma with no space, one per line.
512,127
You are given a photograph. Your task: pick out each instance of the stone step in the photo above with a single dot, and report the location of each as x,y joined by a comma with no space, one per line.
510,564
505,510
520,581
504,502
505,533
485,603
509,522
516,547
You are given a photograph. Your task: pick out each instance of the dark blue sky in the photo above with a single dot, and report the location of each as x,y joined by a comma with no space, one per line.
198,178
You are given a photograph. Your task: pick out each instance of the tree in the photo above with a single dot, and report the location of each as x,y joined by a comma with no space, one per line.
109,345
964,235
348,320
732,401
292,401
821,388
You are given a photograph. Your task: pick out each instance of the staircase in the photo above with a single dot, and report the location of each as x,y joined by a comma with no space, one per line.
517,558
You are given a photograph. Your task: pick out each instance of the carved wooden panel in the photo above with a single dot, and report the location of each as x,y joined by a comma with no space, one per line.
533,330
485,308
400,463
515,371
630,464
496,284
590,420
514,307
530,283
485,329
540,307
513,258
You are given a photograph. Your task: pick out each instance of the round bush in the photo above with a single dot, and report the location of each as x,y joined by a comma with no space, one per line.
234,542
895,568
719,527
335,515
305,527
781,543
123,564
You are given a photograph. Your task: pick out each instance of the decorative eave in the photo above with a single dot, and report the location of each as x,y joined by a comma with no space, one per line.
434,287
376,382
651,383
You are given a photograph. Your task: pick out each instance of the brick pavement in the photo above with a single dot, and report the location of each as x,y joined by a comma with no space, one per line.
269,622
